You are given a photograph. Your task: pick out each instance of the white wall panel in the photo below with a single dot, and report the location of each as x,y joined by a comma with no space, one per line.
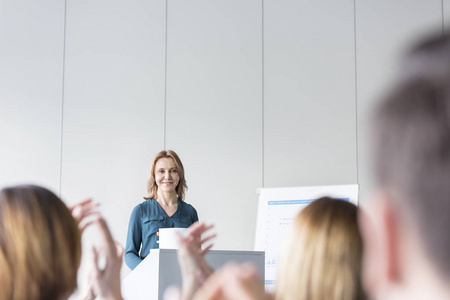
214,113
113,109
309,85
446,14
384,30
31,63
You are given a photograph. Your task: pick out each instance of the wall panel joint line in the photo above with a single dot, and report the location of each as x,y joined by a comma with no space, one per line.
62,99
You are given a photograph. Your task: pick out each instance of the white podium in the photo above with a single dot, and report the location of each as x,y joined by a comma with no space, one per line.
160,269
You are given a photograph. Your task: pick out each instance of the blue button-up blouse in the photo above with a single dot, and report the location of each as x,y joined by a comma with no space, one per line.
146,220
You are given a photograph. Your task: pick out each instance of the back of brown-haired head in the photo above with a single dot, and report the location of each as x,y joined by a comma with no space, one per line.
411,147
40,245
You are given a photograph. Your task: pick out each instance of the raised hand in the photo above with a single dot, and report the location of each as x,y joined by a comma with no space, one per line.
87,288
194,268
231,282
81,210
106,280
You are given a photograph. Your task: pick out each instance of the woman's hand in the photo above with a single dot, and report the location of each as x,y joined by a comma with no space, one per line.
233,282
103,282
194,268
106,280
87,288
85,213
81,210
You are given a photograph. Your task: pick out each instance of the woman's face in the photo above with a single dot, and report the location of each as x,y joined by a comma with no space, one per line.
166,175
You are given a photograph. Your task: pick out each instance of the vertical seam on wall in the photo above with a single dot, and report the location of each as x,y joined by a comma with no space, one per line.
62,99
165,80
443,20
356,92
262,93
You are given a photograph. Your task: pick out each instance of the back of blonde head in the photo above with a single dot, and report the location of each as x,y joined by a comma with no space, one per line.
321,256
40,245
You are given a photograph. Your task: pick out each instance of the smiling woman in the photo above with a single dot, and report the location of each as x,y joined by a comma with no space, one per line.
164,207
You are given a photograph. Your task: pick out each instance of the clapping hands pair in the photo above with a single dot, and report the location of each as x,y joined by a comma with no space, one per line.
103,282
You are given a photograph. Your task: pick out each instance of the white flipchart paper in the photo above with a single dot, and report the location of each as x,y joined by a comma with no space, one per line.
278,207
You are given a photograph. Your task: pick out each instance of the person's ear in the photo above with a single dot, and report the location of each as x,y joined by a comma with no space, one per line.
379,229
390,234
372,257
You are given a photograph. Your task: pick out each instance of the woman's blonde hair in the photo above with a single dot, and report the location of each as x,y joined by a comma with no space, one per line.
40,245
321,257
152,188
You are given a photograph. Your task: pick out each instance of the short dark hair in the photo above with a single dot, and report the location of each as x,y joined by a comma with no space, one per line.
411,146
430,58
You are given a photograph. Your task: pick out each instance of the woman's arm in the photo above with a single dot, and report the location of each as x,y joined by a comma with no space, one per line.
134,239
195,216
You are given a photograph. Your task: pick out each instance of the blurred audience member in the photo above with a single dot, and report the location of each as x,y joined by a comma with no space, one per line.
407,249
40,247
320,259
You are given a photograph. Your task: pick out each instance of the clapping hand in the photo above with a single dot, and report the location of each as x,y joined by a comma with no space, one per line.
103,282
194,268
82,210
231,282
106,280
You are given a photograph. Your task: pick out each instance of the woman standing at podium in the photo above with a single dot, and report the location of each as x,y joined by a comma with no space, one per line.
163,208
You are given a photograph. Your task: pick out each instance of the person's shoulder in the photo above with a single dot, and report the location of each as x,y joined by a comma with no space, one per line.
188,207
144,205
147,203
